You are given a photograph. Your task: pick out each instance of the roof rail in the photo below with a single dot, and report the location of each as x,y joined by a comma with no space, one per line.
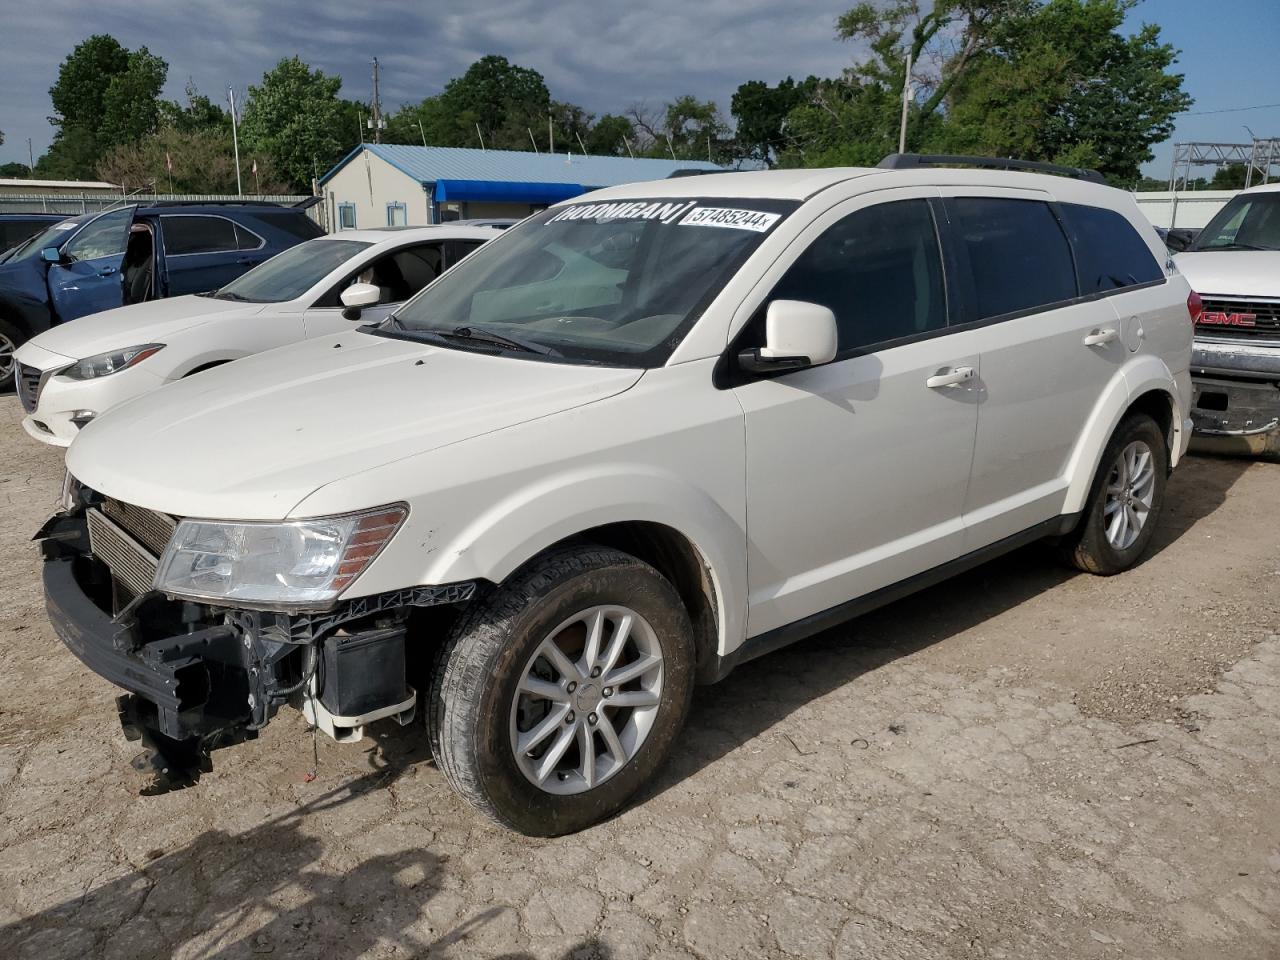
914,161
219,203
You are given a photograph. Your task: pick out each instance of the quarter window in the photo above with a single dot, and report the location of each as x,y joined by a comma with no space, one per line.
190,234
879,270
1018,255
1109,252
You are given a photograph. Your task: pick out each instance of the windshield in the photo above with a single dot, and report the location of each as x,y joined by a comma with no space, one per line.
49,237
618,283
289,275
1250,221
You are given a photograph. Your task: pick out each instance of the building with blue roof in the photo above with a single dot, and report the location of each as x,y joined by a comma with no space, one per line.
384,184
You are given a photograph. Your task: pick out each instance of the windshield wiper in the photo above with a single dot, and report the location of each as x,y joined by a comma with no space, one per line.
481,335
1235,246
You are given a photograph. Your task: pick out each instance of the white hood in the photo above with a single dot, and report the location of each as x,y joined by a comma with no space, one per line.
141,323
251,439
1232,273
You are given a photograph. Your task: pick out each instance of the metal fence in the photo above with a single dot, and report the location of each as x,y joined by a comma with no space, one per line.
74,204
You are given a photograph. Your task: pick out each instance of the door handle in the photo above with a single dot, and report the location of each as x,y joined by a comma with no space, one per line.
106,271
1100,337
951,378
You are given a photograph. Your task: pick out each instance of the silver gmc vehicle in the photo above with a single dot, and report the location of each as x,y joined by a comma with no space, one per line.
1234,266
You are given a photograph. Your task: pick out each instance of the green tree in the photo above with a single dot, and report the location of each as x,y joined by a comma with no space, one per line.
105,95
203,162
608,136
15,170
198,113
504,99
1231,177
760,112
294,117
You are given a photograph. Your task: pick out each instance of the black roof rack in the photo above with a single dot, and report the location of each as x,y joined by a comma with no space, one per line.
221,203
914,161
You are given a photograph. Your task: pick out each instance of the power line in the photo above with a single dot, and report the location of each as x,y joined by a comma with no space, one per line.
1260,106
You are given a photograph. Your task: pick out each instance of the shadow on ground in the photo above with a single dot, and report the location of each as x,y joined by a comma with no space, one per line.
266,892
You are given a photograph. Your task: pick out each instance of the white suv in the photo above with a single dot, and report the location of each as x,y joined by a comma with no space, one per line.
637,439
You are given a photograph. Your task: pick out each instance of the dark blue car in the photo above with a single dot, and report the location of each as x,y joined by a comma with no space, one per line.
131,254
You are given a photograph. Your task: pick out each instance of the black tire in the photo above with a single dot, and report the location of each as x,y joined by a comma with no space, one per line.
479,667
1087,547
10,337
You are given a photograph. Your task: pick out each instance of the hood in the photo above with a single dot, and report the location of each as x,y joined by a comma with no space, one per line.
250,439
1232,273
129,326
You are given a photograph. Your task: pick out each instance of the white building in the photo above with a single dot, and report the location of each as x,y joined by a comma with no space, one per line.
380,184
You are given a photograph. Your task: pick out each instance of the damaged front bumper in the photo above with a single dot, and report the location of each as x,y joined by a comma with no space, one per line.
1236,399
199,677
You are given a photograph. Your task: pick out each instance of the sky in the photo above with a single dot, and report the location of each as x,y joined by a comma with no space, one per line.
602,55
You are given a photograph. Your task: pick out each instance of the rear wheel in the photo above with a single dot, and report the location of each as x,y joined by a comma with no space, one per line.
1125,501
558,695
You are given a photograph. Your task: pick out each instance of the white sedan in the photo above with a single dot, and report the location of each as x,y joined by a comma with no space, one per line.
72,373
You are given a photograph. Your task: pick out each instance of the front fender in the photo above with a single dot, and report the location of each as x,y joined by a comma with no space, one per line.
513,530
1141,375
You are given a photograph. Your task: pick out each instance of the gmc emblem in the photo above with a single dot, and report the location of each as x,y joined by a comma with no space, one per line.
1221,319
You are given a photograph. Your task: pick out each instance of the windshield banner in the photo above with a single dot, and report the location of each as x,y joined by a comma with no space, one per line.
671,212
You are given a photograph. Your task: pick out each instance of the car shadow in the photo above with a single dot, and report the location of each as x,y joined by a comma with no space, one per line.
266,891
1196,489
762,693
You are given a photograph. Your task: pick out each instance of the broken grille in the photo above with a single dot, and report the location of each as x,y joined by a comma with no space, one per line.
149,527
129,561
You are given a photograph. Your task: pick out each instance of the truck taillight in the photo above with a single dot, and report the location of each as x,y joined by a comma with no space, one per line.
1195,307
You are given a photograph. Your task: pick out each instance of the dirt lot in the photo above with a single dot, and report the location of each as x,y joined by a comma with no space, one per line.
1022,763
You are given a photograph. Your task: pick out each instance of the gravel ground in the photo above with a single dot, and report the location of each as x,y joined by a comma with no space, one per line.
1021,763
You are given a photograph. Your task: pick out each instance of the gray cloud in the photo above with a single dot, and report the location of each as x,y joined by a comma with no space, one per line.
603,56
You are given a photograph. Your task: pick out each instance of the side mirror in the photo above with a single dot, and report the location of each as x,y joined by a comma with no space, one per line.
51,255
796,335
356,297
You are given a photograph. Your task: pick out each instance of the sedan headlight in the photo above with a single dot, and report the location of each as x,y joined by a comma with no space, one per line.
104,364
287,564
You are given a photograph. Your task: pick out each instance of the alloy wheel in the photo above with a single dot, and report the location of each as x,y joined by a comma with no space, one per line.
586,700
1131,488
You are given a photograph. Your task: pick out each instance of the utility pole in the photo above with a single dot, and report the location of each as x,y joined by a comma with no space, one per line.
906,103
375,117
235,139
31,158
551,137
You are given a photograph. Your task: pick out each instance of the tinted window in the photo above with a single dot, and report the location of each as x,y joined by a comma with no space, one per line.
295,224
197,235
1109,252
878,270
246,239
1018,254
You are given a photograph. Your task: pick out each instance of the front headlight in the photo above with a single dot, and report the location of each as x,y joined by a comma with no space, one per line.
90,368
288,564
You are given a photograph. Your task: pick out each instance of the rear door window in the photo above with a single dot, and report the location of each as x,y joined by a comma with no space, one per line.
1018,255
198,234
879,270
1110,254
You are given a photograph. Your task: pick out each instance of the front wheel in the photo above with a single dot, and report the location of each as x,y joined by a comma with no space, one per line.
1125,501
558,695
11,338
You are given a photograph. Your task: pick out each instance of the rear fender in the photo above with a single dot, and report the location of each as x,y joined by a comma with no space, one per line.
1143,375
